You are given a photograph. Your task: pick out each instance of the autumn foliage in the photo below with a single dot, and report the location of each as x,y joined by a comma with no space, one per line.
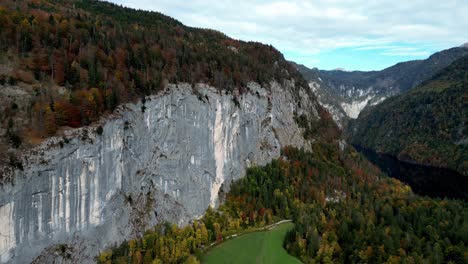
84,57
343,208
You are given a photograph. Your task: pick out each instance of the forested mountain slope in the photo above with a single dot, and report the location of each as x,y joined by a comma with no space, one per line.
121,127
426,124
114,120
347,93
66,63
344,211
325,95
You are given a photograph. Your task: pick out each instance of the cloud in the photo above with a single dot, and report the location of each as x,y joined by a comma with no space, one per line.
314,27
405,51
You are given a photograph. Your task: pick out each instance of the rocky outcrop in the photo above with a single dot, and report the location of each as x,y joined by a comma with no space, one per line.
167,161
345,94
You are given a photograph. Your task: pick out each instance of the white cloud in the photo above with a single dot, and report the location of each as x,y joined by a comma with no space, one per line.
278,10
313,26
405,51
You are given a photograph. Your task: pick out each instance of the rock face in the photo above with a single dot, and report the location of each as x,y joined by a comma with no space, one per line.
345,94
92,190
426,125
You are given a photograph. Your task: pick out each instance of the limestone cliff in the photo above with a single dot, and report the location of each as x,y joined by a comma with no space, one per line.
168,162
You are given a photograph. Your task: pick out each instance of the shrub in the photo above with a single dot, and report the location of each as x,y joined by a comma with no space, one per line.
99,130
15,139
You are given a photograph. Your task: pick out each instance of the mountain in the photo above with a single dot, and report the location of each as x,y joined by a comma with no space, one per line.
67,63
426,124
325,96
114,120
344,205
347,93
126,127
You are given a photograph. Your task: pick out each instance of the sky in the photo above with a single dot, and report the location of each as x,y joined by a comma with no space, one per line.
330,34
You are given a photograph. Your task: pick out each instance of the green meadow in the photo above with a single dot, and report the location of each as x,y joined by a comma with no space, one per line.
257,247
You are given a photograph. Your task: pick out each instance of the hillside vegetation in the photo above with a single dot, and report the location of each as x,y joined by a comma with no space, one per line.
426,125
343,209
66,63
344,92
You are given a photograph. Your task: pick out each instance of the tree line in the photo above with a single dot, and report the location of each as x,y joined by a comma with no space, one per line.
82,58
344,210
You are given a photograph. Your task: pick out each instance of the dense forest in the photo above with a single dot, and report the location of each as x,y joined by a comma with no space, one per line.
344,211
68,62
72,61
427,124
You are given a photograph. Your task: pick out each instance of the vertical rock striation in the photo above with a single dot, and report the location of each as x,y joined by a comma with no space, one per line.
166,163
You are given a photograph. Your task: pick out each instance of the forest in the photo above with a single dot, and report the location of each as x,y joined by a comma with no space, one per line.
80,59
425,125
77,60
343,208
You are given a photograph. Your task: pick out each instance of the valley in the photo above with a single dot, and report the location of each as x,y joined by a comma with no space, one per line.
347,93
425,125
127,136
424,180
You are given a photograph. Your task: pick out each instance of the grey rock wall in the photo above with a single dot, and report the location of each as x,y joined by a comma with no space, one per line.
167,163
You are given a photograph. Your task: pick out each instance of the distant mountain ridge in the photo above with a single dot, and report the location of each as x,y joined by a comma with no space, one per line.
346,93
426,124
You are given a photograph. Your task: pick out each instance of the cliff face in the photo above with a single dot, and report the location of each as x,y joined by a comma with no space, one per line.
169,162
426,125
345,94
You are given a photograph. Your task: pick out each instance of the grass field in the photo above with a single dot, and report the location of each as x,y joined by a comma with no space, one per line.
258,247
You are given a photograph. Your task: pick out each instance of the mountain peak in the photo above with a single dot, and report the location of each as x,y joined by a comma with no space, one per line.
464,45
348,93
